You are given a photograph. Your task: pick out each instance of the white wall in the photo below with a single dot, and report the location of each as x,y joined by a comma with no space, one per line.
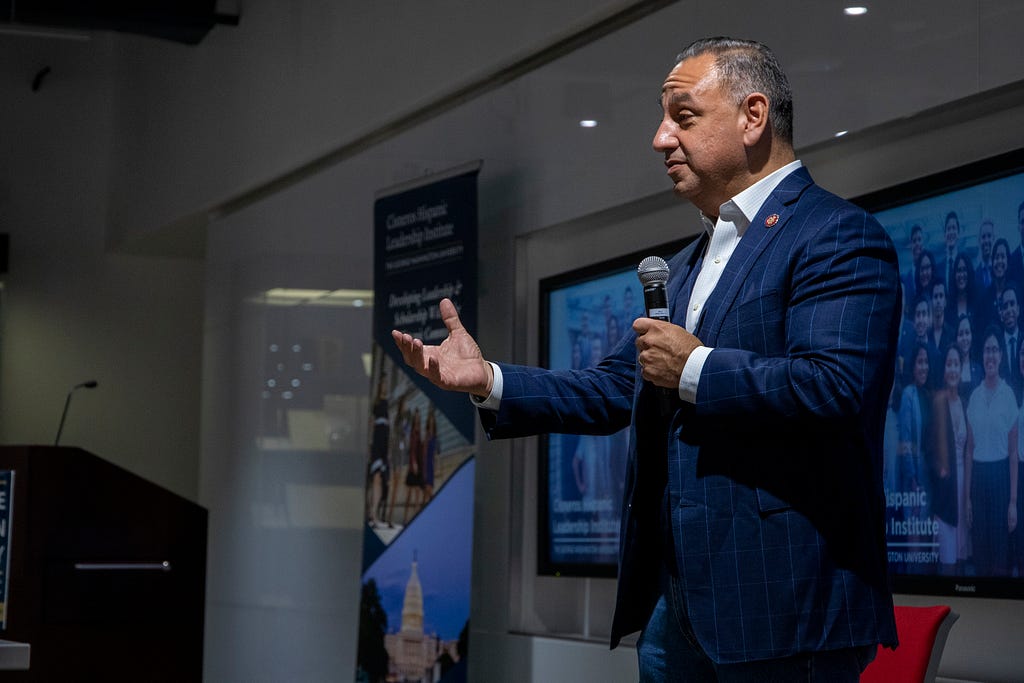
71,311
198,125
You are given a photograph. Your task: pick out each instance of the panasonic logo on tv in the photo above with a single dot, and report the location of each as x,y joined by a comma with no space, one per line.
965,589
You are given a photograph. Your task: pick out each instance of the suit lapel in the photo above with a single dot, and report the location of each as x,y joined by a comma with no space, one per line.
685,265
770,221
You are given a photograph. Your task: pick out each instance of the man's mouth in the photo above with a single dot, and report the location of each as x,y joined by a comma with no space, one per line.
673,164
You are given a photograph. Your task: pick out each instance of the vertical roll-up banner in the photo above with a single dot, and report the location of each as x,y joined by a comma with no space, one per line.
417,554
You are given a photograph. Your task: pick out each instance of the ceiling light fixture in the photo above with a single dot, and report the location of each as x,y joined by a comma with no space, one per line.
842,133
282,296
588,123
855,11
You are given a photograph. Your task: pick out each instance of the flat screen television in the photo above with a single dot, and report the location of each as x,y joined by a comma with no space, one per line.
583,313
951,442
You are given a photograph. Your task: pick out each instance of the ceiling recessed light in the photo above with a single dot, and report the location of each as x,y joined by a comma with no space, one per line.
842,133
588,123
855,11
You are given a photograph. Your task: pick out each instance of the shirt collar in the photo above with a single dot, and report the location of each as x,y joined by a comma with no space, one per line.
742,208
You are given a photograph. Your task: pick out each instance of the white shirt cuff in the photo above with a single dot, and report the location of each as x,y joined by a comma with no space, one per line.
493,400
691,373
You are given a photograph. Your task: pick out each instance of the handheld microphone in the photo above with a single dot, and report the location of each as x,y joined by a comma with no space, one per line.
91,384
653,274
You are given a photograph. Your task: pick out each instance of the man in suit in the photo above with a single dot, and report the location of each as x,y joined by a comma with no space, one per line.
986,236
1015,269
752,539
910,276
1009,313
946,259
922,329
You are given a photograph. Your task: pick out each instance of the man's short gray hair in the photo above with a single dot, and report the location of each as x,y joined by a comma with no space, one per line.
744,67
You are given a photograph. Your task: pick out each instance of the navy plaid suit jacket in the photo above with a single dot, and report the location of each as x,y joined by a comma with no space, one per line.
773,476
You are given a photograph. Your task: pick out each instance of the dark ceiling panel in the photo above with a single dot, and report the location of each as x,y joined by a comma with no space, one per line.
182,21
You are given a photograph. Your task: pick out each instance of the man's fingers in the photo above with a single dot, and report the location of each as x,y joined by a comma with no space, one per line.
642,325
418,362
412,350
450,315
433,369
403,342
401,339
407,345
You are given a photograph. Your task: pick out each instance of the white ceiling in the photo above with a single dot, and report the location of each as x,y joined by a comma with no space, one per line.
847,72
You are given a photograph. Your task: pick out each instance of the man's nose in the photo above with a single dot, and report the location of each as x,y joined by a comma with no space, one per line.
663,139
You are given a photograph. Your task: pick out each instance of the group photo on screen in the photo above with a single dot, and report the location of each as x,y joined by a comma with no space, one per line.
586,473
954,433
584,314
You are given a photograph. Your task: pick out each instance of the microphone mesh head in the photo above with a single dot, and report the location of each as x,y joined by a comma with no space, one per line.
652,271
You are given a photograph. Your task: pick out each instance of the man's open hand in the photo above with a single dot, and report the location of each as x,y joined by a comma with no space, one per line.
456,364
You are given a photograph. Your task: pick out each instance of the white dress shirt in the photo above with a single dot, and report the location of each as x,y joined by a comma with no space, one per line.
734,218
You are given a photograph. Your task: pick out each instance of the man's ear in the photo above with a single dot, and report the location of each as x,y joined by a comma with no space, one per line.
754,118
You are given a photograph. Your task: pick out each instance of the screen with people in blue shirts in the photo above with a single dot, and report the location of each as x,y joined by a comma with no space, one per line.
954,434
584,314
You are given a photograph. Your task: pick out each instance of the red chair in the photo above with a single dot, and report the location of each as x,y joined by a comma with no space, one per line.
922,633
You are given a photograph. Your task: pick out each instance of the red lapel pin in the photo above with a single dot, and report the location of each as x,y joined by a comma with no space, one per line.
771,220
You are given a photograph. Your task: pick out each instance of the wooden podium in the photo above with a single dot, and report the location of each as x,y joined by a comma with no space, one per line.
107,571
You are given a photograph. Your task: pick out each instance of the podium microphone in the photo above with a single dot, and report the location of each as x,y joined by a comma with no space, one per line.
653,274
91,384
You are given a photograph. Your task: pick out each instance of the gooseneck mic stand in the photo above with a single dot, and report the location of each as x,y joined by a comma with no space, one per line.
91,384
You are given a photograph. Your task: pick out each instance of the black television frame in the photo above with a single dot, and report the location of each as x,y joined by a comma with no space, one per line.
546,566
934,186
